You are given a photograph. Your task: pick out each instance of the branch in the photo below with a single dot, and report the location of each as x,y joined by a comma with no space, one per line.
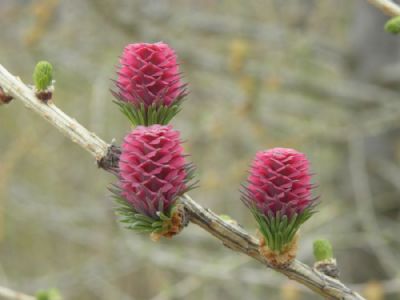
68,126
387,6
6,293
232,236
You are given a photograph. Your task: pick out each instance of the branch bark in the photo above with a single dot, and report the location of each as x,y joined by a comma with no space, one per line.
6,293
387,6
231,236
68,126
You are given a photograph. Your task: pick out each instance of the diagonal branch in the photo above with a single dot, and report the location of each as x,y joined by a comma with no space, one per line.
232,236
6,293
387,6
68,126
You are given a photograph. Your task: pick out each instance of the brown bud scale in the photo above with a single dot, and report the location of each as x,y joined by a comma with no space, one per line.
278,259
45,96
328,267
4,98
178,221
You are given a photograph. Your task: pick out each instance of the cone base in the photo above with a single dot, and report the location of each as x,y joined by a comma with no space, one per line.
174,225
149,115
279,259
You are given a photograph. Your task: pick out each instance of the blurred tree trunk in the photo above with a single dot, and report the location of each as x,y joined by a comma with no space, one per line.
374,57
374,54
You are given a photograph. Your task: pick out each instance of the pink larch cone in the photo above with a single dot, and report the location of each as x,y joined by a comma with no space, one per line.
278,193
153,171
279,181
149,74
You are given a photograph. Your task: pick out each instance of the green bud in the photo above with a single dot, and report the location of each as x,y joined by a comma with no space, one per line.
50,294
393,25
228,219
322,250
43,75
225,217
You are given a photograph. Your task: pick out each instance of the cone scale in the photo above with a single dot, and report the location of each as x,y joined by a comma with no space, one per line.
278,193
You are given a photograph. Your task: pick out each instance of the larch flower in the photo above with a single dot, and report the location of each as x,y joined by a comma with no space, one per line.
278,192
149,84
153,175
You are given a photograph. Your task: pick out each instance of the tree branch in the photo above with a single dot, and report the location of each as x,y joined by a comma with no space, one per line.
68,126
387,6
6,293
232,236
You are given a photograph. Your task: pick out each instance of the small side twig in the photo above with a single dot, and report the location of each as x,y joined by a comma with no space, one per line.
68,126
364,203
6,293
388,7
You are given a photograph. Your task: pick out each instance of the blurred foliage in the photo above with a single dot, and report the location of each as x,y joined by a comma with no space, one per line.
318,76
50,294
374,291
393,25
290,291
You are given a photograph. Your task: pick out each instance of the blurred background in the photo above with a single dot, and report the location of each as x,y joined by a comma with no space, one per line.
318,76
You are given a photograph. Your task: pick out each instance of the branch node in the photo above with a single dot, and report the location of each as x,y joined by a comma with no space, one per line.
178,221
328,267
4,98
109,162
